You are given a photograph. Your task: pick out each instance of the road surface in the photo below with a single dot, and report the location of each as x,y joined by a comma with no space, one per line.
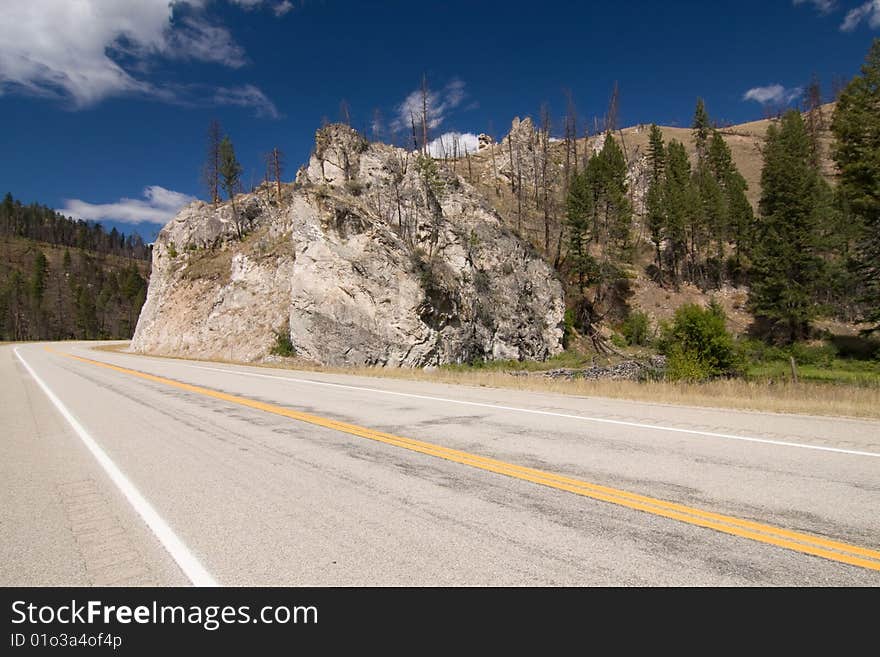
120,469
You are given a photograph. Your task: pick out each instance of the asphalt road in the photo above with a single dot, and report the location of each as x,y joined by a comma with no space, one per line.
171,472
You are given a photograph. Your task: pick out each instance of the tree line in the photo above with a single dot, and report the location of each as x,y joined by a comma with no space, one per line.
43,224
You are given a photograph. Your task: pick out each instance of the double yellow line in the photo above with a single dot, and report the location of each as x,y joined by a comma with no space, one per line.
779,537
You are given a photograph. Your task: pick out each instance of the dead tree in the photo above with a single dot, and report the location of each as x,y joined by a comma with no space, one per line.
545,179
344,112
425,94
570,166
494,166
376,126
276,166
211,172
613,108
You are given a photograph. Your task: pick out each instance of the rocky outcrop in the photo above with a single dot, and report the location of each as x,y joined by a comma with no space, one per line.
374,256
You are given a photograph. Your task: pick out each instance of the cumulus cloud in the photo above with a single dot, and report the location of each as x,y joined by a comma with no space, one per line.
868,12
453,143
823,6
439,103
159,207
774,94
89,50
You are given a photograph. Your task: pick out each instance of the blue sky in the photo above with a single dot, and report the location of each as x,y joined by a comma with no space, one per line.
105,103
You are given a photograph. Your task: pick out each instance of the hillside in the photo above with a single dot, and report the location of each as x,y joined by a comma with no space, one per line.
745,141
62,279
497,169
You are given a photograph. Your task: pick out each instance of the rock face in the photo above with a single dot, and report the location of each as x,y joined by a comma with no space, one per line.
373,257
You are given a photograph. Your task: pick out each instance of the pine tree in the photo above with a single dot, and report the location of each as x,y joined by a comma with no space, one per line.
38,278
612,209
856,127
579,212
655,217
701,128
785,263
713,222
230,174
656,153
679,201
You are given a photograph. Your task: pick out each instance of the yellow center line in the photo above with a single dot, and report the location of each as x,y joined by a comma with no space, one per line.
777,536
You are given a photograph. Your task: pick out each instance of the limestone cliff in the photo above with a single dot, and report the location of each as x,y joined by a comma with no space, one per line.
373,256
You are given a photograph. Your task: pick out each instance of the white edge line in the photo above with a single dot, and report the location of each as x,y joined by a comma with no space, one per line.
585,418
181,554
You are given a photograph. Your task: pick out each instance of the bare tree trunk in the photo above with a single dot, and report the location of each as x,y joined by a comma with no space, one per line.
277,161
545,182
425,113
212,163
494,167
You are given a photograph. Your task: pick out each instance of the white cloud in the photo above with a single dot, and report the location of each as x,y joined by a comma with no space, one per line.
453,143
89,50
823,6
52,47
194,37
278,8
773,94
247,96
869,11
439,103
282,8
159,207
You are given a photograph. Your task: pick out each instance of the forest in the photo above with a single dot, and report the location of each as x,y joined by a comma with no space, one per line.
62,278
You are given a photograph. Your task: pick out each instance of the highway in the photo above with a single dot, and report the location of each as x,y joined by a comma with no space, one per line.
120,469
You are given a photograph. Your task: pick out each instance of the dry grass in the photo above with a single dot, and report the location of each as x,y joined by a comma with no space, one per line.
782,397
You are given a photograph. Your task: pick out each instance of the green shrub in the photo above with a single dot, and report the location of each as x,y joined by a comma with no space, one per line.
426,167
686,366
636,329
698,344
618,340
172,252
755,351
807,355
283,346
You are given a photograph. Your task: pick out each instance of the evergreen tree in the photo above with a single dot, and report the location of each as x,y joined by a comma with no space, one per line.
701,128
38,277
612,210
856,127
655,217
579,212
785,262
679,201
713,220
230,173
656,153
